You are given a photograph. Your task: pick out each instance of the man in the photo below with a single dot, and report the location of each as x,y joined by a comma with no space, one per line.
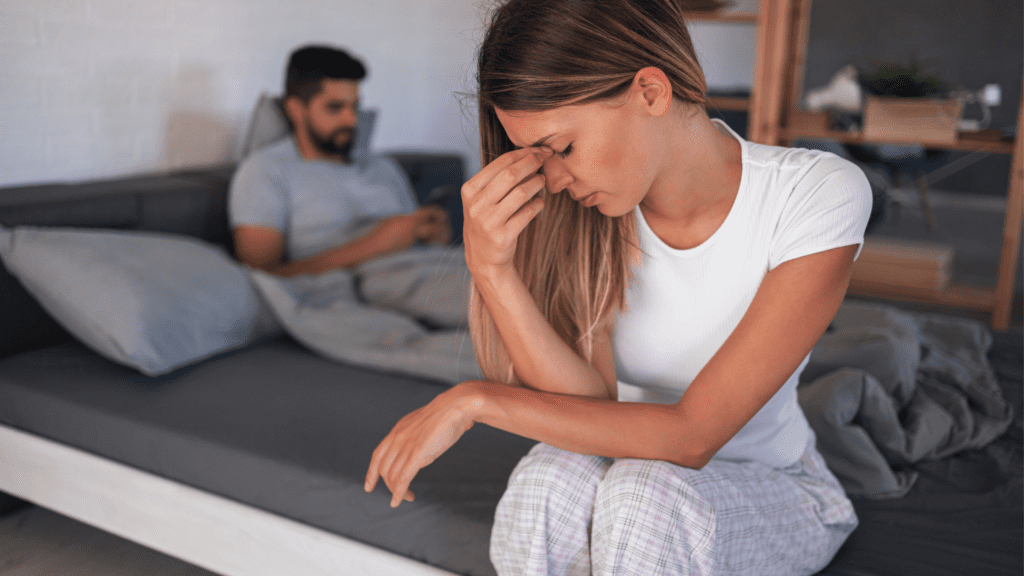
302,206
330,237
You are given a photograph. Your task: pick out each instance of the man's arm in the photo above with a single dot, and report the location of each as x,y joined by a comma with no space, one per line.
262,247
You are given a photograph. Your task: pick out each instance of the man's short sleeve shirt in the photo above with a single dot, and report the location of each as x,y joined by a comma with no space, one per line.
316,204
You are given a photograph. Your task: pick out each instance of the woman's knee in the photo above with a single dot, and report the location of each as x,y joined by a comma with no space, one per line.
548,470
649,519
639,482
542,522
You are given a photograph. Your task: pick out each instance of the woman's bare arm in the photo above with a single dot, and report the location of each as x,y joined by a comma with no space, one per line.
791,310
541,358
499,202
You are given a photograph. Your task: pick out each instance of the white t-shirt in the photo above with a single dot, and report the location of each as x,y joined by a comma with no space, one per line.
683,304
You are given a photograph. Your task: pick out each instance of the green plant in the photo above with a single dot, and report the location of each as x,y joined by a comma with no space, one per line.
903,81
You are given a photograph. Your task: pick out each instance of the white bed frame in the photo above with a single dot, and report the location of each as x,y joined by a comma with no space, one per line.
196,526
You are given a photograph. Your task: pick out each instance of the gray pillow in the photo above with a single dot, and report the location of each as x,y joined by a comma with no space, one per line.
269,124
148,300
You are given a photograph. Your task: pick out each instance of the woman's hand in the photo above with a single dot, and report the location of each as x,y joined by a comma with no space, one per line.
418,439
499,201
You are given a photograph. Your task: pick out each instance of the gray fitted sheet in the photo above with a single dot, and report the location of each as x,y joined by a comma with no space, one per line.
278,428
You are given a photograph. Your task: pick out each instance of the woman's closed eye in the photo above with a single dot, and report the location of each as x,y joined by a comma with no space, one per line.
565,152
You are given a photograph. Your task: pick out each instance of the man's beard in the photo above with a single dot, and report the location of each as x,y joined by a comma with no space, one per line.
327,144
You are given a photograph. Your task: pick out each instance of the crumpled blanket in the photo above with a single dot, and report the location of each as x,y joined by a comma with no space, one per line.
403,313
886,388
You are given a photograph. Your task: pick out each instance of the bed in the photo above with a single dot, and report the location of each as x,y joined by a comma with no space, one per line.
251,462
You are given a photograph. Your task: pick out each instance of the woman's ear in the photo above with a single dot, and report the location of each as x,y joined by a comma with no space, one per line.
655,89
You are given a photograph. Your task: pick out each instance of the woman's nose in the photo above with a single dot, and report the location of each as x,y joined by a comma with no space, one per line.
558,178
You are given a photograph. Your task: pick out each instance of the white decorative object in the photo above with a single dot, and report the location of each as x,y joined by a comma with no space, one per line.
842,94
989,95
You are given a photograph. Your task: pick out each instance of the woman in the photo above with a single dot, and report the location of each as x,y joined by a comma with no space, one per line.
620,240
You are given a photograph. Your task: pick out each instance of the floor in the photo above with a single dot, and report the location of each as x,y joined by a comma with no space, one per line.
37,542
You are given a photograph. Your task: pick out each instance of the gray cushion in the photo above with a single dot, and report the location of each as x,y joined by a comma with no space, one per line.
148,300
269,124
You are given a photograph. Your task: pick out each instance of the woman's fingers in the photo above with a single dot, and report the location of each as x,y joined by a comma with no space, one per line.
415,441
499,202
383,459
492,218
397,459
399,477
382,466
515,175
503,162
518,221
396,469
514,200
373,473
492,183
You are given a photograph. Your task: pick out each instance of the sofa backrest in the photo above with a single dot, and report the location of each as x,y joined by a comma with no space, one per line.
191,202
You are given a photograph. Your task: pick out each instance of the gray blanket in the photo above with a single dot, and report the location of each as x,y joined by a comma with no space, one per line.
886,388
403,313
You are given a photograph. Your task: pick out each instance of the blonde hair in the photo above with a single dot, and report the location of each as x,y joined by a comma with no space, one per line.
542,54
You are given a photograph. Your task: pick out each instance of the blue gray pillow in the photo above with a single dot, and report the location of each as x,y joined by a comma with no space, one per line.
148,300
268,124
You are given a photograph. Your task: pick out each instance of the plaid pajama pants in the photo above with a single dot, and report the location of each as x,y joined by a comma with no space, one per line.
569,514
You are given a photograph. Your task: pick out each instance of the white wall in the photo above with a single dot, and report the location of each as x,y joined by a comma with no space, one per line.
107,87
726,50
96,88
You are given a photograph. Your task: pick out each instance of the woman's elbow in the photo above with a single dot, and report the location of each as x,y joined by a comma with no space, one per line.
681,452
692,458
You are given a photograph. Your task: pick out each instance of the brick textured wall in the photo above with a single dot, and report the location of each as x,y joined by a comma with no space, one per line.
94,88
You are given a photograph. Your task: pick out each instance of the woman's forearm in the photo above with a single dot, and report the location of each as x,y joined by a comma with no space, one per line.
589,425
541,358
584,425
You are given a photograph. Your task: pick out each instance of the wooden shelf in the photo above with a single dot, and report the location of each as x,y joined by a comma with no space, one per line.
721,16
991,141
730,103
956,295
776,119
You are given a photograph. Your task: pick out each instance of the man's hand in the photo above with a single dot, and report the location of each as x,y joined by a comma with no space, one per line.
428,224
434,227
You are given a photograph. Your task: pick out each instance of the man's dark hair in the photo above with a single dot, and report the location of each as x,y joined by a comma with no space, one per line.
310,65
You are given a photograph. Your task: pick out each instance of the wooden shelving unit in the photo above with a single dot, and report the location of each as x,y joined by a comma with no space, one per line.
762,19
733,103
722,16
776,119
984,141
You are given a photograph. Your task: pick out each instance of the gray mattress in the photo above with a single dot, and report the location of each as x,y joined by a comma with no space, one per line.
275,427
281,429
